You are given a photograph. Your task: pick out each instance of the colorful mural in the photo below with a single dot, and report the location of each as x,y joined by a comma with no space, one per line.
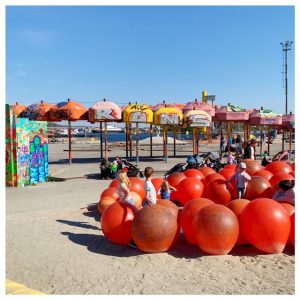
26,151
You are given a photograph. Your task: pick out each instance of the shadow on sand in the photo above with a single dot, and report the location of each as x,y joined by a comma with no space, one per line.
78,224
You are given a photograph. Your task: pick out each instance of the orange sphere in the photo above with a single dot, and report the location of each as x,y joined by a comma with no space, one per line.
170,205
293,174
137,185
212,177
293,166
175,178
206,170
194,173
258,187
276,178
116,222
237,206
227,173
105,202
292,231
266,225
278,166
230,167
157,182
216,229
114,183
289,207
263,173
110,192
187,216
154,229
252,166
188,189
219,192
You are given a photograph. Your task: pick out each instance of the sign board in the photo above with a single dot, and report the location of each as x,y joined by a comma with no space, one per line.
138,116
270,121
103,114
210,97
198,121
166,119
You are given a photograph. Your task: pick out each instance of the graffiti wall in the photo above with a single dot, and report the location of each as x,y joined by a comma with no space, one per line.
26,151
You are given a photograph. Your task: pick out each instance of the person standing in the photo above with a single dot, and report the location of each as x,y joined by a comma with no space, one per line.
150,193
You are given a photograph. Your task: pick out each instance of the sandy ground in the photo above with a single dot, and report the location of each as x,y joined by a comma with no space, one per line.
54,244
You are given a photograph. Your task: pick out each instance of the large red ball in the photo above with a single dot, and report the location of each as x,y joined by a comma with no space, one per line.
137,185
227,173
292,231
187,216
230,167
252,166
266,225
188,189
110,192
220,191
207,170
216,229
258,187
157,182
175,178
278,166
237,206
276,178
289,207
105,202
264,173
116,222
169,205
114,183
212,177
154,229
194,173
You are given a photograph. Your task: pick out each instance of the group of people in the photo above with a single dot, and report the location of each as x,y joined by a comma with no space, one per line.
109,170
235,140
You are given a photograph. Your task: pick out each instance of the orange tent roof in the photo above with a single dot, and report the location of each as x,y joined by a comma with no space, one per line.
17,109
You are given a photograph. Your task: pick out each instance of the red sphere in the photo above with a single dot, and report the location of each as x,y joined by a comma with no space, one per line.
220,192
169,205
157,182
116,222
105,202
137,185
194,173
293,174
227,173
293,166
110,192
154,229
114,183
276,178
175,178
187,217
216,229
258,187
264,173
237,206
188,189
212,177
266,225
289,207
252,166
207,170
292,231
278,166
230,167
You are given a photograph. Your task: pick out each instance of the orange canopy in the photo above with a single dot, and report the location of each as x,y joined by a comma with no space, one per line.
38,112
17,109
69,111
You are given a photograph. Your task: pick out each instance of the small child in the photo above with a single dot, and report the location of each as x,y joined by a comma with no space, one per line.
230,159
150,193
241,178
123,188
285,192
114,169
165,190
264,159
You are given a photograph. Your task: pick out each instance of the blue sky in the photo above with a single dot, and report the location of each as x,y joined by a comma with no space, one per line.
149,54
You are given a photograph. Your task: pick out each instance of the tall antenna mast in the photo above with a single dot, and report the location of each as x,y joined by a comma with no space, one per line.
285,48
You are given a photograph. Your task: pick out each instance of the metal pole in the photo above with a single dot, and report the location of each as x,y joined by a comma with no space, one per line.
126,138
268,140
174,141
105,140
291,138
165,149
130,140
260,141
282,148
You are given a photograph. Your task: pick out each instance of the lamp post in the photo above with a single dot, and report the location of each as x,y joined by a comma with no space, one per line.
285,48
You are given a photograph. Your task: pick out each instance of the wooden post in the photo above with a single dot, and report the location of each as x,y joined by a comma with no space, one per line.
101,141
268,140
130,141
165,149
137,142
151,134
105,140
126,139
70,142
282,140
291,135
174,145
260,148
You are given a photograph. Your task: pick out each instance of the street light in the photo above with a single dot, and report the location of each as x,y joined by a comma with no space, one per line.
285,48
